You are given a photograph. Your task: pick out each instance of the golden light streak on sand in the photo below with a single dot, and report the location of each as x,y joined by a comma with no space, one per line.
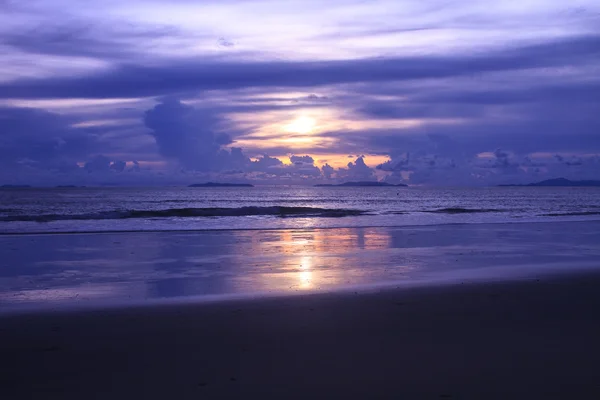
314,259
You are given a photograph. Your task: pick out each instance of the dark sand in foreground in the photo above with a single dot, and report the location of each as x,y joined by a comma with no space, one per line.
528,339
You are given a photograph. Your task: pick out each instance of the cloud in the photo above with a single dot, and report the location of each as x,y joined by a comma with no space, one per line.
195,138
304,166
503,160
192,136
302,160
543,126
99,163
40,138
357,170
67,33
415,110
452,97
103,164
400,163
164,77
525,92
327,171
265,162
118,166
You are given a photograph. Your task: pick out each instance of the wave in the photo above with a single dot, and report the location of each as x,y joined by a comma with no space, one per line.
571,214
460,210
263,201
276,211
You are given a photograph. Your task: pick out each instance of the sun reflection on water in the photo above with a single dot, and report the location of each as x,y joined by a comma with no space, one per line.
299,260
305,274
198,264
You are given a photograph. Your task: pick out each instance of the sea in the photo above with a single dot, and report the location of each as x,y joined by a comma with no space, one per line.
132,209
109,246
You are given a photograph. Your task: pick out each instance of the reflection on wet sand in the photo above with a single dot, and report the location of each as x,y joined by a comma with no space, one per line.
152,265
320,259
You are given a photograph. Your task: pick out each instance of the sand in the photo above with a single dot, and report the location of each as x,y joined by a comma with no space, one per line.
496,311
522,339
98,270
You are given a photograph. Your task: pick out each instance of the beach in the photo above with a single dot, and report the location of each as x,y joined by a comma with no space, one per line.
525,339
447,311
259,199
99,270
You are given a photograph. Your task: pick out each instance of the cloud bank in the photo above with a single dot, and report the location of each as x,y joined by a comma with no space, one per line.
140,94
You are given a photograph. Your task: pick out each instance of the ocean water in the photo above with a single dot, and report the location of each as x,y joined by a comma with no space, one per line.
184,243
32,210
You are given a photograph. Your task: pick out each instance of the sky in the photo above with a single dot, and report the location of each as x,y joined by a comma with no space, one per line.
423,92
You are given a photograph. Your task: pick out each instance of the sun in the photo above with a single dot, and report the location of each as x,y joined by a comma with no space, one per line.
301,125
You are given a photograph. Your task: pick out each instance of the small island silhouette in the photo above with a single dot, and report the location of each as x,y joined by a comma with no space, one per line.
559,182
216,184
362,183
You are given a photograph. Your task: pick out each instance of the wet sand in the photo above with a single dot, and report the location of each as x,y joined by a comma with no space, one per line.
523,339
117,269
466,311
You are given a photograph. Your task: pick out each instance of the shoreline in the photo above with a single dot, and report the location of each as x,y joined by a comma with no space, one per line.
361,289
525,339
107,270
208,230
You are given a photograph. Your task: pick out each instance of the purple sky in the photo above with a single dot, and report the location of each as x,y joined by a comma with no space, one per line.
298,91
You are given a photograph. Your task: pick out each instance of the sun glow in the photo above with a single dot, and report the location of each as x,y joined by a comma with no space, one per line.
305,273
301,125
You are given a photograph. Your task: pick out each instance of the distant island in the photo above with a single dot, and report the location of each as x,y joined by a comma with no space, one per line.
367,184
15,186
559,182
215,184
68,186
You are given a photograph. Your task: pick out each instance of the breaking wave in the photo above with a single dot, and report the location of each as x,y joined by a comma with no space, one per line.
276,211
460,210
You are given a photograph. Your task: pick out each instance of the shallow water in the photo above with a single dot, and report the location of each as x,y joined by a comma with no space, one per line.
128,268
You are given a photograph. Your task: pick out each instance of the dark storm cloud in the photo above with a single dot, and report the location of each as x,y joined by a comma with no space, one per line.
38,137
192,136
43,148
130,80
